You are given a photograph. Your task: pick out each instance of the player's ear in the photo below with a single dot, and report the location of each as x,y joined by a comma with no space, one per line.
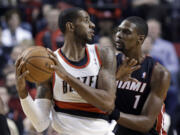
141,39
70,26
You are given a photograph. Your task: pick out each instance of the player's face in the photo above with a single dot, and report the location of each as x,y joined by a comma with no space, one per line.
126,36
84,27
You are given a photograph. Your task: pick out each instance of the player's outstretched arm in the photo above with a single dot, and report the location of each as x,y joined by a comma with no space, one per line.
36,110
102,97
160,82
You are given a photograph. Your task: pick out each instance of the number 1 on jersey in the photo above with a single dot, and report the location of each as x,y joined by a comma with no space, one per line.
136,101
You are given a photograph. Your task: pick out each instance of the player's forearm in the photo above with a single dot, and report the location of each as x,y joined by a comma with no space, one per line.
37,111
136,122
23,94
96,97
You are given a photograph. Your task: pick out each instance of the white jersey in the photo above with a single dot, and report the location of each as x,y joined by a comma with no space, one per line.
87,73
72,115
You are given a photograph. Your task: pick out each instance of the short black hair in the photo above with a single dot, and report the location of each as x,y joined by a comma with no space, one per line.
67,15
142,27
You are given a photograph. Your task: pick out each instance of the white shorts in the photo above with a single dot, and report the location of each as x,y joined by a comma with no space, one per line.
66,124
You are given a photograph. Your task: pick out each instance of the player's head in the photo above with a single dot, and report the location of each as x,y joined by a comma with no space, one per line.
77,21
131,33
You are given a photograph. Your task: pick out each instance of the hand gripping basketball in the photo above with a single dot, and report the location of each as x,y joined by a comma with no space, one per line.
57,67
37,61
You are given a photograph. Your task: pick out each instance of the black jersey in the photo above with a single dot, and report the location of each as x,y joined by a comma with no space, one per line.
131,96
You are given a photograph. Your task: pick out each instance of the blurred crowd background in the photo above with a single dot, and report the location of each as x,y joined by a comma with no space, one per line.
26,23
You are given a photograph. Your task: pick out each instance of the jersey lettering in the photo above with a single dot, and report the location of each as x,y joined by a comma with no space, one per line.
64,87
143,87
133,86
89,80
126,85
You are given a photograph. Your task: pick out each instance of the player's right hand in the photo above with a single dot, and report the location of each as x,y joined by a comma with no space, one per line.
20,78
126,68
57,67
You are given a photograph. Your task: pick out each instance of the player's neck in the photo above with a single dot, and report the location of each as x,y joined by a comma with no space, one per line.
74,50
134,54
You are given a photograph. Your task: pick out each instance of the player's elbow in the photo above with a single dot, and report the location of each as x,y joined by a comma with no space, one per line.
109,105
147,126
144,129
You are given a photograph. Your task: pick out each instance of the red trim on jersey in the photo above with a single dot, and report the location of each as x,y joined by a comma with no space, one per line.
78,106
160,122
79,67
97,52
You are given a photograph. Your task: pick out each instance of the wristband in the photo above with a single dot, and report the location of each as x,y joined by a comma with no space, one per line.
115,114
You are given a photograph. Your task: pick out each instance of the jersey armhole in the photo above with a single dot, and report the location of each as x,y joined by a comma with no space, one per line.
98,56
153,67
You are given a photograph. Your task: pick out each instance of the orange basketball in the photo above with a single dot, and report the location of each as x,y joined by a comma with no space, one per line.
38,63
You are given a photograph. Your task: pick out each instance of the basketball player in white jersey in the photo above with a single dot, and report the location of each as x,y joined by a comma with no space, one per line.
83,86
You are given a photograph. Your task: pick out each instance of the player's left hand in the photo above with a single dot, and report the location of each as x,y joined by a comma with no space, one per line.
20,78
57,67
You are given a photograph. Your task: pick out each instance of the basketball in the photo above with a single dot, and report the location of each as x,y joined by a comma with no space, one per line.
38,63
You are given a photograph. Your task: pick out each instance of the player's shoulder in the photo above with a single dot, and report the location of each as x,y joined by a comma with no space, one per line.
160,70
160,80
160,76
104,51
106,54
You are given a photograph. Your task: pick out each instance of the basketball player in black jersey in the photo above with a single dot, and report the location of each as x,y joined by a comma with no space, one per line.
138,103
